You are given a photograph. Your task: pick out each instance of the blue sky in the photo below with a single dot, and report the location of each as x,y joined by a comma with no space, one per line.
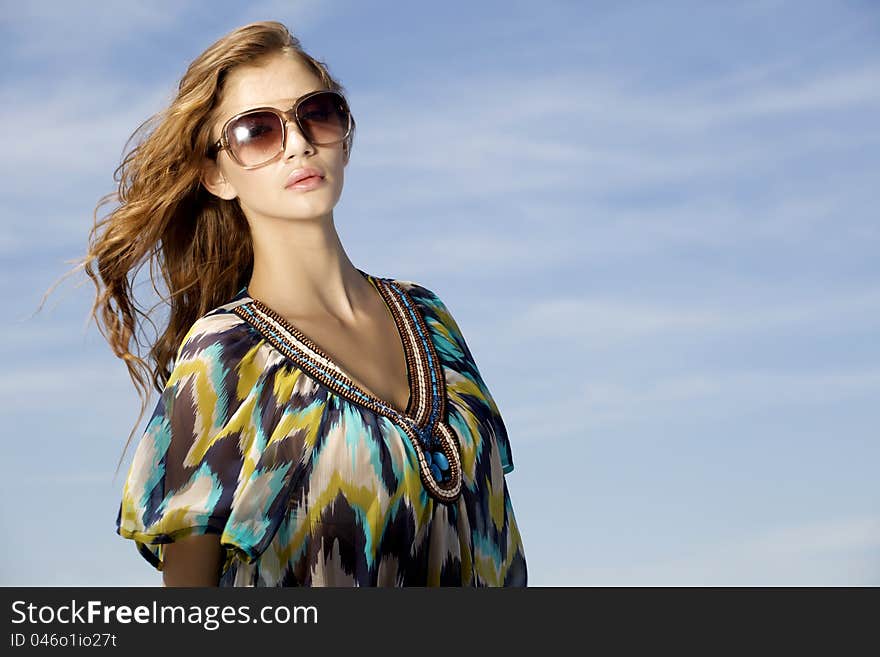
652,221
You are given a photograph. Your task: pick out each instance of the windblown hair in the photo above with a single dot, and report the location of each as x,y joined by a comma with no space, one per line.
200,243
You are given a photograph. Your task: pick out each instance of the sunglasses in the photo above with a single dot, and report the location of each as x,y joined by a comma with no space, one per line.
258,136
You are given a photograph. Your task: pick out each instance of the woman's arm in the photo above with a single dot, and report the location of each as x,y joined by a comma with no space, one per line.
193,561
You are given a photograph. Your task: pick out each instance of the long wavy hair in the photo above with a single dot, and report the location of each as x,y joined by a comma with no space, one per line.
199,243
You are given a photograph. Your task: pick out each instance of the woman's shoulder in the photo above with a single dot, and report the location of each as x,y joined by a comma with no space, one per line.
434,309
218,333
425,297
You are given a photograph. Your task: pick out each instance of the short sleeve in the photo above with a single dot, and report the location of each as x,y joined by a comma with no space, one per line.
208,461
493,419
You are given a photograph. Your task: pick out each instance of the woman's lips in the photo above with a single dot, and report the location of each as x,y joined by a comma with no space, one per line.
307,183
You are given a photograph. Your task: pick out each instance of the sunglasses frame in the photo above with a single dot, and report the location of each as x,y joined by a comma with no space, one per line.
222,144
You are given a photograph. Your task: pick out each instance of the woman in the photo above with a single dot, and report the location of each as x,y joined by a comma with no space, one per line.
320,426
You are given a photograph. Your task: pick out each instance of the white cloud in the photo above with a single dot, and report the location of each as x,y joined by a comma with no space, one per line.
836,552
598,322
719,396
79,30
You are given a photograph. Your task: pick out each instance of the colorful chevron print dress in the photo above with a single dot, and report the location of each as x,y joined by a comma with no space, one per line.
310,480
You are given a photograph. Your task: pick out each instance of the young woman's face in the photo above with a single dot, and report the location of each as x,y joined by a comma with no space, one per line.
261,191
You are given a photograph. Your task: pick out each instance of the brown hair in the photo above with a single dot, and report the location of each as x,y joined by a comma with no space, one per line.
200,243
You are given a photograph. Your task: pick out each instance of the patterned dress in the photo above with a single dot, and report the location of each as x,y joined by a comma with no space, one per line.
309,479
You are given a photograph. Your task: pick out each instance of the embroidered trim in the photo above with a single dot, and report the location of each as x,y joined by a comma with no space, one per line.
424,421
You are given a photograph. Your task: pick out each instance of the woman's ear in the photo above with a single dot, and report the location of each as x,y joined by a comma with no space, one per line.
214,181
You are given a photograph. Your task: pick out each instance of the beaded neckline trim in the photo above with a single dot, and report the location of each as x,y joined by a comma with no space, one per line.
424,420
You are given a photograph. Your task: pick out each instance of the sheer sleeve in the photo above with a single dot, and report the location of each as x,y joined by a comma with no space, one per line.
450,331
206,462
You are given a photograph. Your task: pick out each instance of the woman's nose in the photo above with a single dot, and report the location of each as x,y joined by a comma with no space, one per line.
296,141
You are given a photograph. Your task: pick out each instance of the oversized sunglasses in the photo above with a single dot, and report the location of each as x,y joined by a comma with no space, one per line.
258,136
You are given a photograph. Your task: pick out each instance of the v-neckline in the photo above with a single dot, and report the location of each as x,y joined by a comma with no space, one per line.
424,421
421,359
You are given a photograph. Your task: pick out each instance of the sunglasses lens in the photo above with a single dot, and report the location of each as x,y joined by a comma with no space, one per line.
324,118
255,138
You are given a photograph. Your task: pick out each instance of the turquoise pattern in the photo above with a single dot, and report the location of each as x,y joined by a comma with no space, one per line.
309,480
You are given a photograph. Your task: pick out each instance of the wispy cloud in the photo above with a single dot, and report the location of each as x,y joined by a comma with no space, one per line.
597,322
575,409
46,30
663,170
834,552
73,131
